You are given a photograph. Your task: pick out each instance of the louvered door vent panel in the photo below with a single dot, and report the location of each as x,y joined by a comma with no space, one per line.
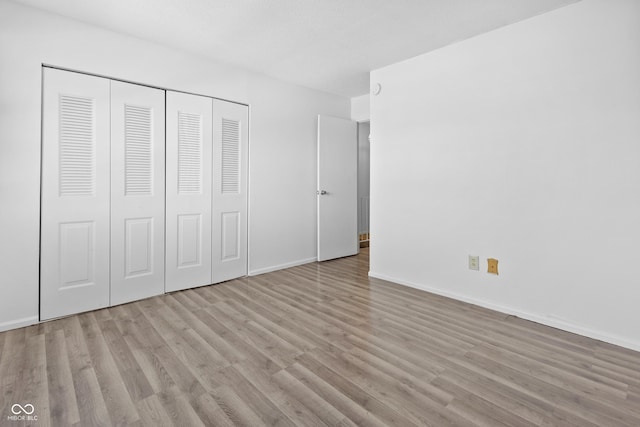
138,137
230,156
77,146
189,153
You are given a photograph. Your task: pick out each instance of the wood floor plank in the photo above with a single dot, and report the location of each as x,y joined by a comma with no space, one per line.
27,383
356,413
323,410
634,397
561,418
206,293
568,380
177,406
314,345
193,351
416,406
623,359
91,405
275,348
322,333
359,357
209,412
549,373
120,406
498,394
398,357
466,337
152,413
33,378
167,368
206,330
243,350
189,299
62,396
303,334
298,303
13,352
262,318
373,405
589,409
391,349
134,378
582,366
7,393
477,408
288,404
261,404
347,324
104,314
235,408
154,370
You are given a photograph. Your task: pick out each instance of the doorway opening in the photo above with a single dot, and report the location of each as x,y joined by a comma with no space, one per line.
364,234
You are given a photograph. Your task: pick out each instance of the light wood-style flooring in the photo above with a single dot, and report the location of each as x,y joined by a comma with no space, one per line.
320,344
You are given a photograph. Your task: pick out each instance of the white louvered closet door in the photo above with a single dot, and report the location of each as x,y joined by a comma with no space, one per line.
188,193
230,163
137,192
74,273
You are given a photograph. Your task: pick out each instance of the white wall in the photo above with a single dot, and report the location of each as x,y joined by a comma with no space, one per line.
282,126
284,121
360,108
522,144
364,161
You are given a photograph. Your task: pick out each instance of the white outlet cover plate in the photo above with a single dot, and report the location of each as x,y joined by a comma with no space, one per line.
474,262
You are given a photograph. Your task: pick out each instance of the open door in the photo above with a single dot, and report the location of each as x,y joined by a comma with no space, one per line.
337,188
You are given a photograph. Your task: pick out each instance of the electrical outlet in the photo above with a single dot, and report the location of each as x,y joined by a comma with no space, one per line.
492,266
474,262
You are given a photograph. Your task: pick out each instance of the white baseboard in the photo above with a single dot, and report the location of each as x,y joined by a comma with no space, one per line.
547,320
281,266
18,323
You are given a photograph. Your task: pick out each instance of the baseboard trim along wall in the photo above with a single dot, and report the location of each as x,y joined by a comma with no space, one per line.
19,323
259,271
547,320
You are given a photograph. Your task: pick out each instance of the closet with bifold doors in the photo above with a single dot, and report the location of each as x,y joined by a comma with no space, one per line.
129,211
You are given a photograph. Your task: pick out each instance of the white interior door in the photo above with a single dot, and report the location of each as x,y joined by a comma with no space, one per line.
137,192
337,188
74,274
188,191
230,162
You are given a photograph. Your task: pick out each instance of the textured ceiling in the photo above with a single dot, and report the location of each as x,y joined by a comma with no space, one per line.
330,45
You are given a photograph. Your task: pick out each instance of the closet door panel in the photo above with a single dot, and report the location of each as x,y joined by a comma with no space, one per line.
230,165
188,204
74,273
137,192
